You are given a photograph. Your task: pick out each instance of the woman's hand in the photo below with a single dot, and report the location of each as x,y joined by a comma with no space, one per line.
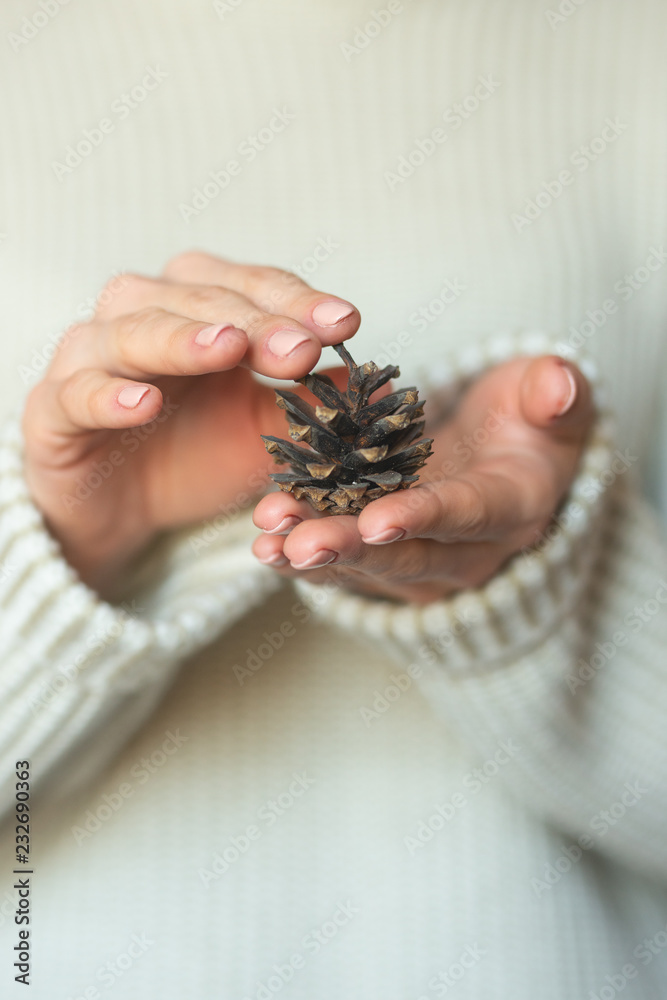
149,416
499,470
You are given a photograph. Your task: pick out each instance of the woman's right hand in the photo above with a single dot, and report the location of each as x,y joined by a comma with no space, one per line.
149,416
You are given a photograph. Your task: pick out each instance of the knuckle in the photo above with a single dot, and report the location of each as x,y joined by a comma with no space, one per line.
186,262
97,398
292,280
282,287
415,569
470,580
205,300
473,516
258,274
73,388
69,346
129,282
477,575
136,323
117,288
256,322
79,380
410,568
425,499
173,340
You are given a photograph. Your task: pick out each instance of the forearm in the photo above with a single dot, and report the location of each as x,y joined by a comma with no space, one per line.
79,672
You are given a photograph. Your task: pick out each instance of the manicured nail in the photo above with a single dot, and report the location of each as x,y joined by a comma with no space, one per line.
285,525
285,342
569,391
321,558
390,535
208,336
277,559
131,396
332,312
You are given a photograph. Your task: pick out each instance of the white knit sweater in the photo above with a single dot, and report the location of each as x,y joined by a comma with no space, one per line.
244,789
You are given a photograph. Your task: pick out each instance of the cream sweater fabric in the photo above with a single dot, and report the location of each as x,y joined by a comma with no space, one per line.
244,789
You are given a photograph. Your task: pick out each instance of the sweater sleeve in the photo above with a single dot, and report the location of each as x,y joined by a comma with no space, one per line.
562,654
79,675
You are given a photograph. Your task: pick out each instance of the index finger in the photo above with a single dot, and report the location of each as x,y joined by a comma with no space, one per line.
333,319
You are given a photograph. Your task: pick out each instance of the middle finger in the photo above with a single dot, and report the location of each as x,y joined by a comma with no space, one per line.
278,346
272,289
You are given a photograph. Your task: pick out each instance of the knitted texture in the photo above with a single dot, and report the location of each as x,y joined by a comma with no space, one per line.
244,789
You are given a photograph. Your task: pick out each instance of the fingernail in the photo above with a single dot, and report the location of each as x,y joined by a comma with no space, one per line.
332,312
131,396
277,559
390,535
285,525
208,336
569,391
285,342
321,558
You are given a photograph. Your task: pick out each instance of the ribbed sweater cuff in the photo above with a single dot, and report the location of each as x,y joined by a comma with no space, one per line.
59,635
537,589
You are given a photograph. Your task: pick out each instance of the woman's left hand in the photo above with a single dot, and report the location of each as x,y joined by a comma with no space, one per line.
500,468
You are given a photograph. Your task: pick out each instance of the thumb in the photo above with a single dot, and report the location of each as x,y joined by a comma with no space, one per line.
555,395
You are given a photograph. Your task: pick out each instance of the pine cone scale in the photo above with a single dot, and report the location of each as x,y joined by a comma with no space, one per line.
355,451
322,387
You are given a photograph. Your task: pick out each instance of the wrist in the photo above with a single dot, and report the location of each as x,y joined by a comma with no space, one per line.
101,567
98,544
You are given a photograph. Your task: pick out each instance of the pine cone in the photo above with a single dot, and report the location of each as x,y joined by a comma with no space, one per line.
357,451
